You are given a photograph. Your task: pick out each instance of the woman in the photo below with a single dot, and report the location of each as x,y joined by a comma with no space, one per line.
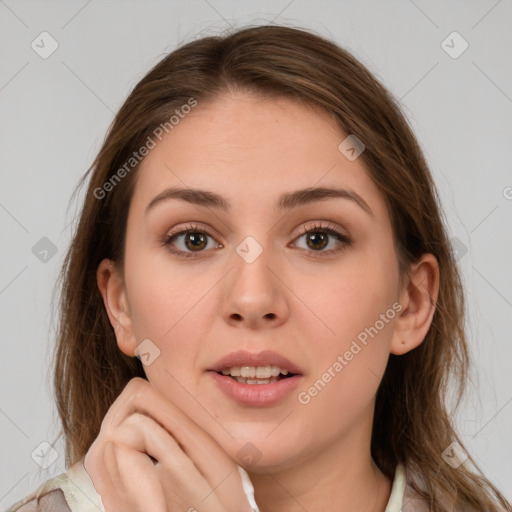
260,309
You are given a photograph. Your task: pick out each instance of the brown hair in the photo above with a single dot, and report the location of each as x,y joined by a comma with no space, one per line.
411,422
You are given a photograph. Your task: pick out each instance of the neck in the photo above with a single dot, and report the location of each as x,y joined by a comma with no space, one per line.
341,477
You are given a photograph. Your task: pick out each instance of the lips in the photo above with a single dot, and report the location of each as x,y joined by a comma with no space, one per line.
256,395
243,358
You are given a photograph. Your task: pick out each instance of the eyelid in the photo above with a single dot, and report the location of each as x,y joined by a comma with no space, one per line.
320,225
191,226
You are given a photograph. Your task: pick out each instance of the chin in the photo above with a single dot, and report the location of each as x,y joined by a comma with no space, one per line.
258,452
271,462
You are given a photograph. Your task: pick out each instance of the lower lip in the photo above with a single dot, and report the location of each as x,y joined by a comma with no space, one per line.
256,395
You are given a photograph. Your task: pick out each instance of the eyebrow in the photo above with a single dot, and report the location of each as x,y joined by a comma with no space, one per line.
286,201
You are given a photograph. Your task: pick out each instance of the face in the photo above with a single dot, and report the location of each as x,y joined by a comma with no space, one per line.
315,282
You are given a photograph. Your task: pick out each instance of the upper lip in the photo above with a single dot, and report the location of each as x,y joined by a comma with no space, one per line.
265,358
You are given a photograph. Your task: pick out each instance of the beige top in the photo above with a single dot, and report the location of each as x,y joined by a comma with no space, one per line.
74,491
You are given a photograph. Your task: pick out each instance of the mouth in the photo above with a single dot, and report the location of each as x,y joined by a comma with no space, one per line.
256,392
243,365
256,374
256,380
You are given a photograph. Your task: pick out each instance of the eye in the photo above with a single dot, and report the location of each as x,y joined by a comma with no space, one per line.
317,238
195,240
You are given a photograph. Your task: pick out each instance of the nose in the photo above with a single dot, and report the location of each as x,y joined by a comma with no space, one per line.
255,294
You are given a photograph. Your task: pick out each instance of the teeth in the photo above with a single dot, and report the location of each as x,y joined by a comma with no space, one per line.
234,371
255,381
248,371
251,372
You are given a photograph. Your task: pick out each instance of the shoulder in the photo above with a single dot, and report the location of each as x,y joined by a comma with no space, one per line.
53,501
413,502
48,496
72,491
403,498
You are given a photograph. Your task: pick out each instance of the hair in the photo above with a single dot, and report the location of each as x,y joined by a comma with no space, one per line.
411,423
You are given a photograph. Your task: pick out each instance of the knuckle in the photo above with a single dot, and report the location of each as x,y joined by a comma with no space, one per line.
138,419
136,389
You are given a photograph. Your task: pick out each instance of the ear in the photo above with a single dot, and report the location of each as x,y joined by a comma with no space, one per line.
419,299
111,285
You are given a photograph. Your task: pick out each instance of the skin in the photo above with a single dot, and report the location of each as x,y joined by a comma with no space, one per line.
314,456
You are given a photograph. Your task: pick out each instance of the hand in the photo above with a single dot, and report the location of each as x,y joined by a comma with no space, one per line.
150,456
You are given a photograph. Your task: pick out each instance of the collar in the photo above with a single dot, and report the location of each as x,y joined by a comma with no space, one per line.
394,503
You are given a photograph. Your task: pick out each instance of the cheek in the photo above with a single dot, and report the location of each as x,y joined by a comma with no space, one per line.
163,295
164,309
171,306
358,319
350,297
347,377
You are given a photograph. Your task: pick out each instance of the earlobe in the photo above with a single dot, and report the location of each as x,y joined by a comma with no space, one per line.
418,298
111,285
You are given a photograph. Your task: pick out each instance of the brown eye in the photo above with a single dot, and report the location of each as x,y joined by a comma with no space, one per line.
188,242
195,241
317,239
319,236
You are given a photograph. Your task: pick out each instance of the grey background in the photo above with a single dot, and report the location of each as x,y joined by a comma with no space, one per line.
54,114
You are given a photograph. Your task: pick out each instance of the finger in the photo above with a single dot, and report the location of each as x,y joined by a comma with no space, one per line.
141,483
109,484
142,434
182,483
140,396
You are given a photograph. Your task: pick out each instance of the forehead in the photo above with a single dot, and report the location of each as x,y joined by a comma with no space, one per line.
252,149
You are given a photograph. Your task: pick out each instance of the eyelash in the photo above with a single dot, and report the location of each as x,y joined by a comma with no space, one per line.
328,229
